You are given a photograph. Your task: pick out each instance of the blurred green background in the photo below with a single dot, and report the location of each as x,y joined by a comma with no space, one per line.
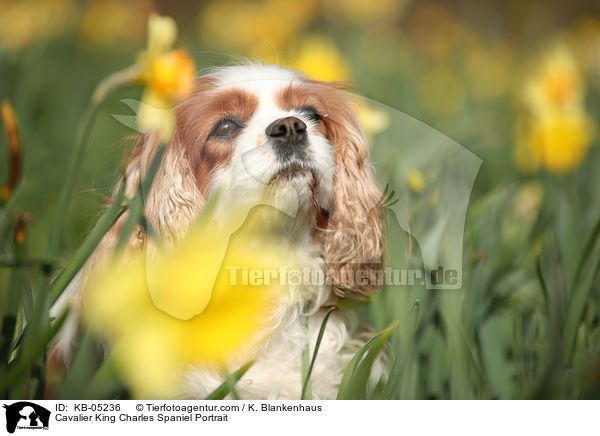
516,83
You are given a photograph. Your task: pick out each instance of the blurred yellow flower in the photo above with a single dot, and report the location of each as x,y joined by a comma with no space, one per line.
415,181
115,21
168,76
258,28
556,85
171,75
182,307
23,23
319,58
555,132
373,119
162,33
557,141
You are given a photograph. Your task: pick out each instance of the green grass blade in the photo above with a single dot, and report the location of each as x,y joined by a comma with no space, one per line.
356,376
25,359
392,387
136,211
64,201
303,396
225,388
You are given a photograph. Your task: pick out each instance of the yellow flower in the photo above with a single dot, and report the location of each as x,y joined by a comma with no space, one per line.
415,181
186,306
557,142
374,120
162,33
555,133
171,75
156,113
319,58
557,83
168,76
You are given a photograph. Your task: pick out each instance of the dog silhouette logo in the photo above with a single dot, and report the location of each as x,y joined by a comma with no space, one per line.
26,415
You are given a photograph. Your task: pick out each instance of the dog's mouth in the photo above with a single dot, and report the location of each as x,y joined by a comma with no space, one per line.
292,170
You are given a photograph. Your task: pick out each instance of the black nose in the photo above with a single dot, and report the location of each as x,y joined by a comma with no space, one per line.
290,130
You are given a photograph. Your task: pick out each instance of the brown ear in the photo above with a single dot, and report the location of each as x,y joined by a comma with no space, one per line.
170,206
353,240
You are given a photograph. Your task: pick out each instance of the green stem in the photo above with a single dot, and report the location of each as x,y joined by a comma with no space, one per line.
230,382
66,194
136,205
317,345
89,245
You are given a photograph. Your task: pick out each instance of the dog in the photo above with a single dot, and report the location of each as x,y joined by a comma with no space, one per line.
246,130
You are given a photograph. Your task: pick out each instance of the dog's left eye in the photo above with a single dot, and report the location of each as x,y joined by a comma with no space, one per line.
225,128
311,113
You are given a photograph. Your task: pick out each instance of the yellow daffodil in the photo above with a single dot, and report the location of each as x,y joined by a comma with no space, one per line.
187,306
555,132
557,141
557,84
319,58
167,74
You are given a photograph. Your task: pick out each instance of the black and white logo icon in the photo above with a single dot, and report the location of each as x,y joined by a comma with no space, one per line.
26,415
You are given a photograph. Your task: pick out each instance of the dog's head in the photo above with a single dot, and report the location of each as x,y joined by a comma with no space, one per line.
266,134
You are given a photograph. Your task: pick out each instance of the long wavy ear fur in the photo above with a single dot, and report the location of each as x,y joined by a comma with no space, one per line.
353,240
170,206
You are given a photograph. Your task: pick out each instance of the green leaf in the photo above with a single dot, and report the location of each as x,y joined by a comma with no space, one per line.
222,391
401,362
31,353
304,395
356,376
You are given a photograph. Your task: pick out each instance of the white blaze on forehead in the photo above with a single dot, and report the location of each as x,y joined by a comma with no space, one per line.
264,81
237,75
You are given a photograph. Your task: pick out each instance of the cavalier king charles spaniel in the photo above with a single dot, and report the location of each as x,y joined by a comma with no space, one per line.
247,129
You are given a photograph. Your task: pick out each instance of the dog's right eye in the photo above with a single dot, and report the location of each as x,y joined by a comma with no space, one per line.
225,128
